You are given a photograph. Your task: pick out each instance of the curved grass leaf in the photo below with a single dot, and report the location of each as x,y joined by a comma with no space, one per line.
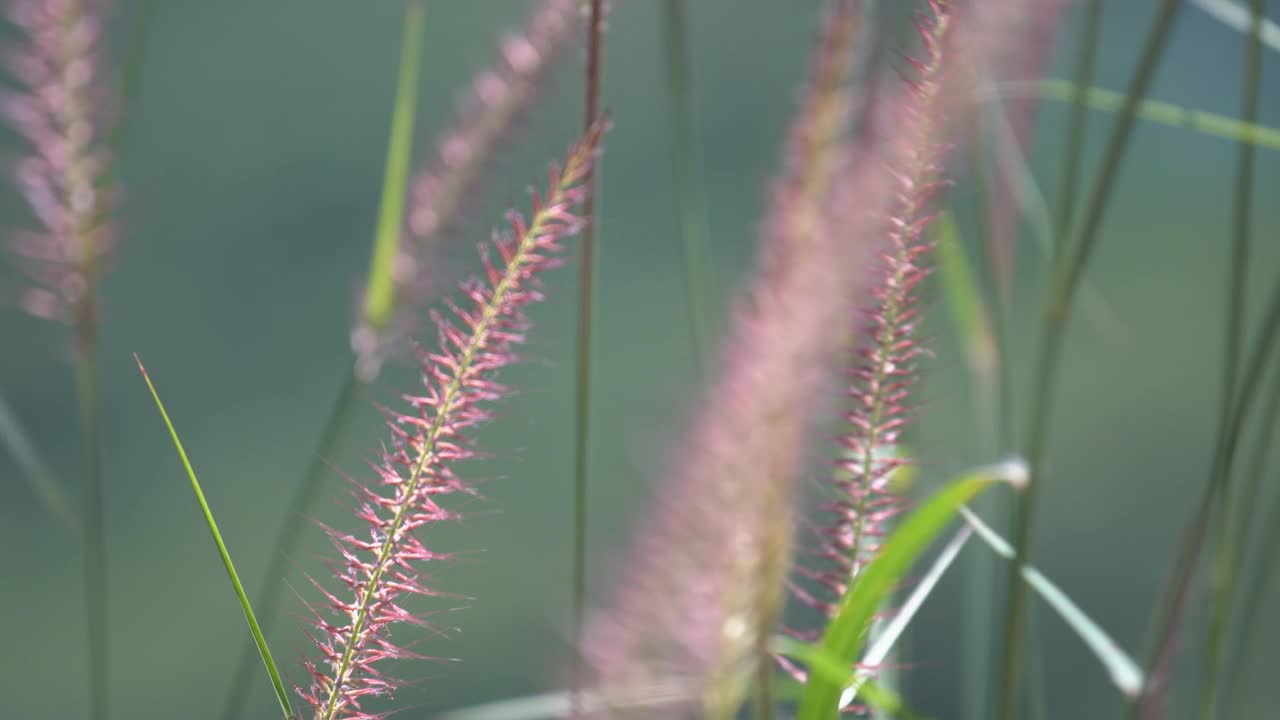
847,632
1124,670
258,638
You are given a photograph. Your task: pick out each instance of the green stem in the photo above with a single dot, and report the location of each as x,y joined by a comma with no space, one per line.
1265,563
1067,273
86,374
290,535
692,206
95,573
1226,560
586,309
1224,453
1073,152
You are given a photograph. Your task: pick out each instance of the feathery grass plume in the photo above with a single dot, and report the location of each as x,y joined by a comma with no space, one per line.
61,111
883,370
486,114
707,572
820,126
705,584
708,569
379,568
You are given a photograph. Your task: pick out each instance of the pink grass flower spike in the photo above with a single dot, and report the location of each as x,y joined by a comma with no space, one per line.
60,111
475,340
883,370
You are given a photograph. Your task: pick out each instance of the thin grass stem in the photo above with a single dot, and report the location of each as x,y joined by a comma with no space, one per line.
1188,556
699,284
1226,560
92,534
1265,563
1067,273
1073,151
586,310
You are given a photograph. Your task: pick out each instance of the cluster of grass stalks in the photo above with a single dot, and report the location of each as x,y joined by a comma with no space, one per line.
738,593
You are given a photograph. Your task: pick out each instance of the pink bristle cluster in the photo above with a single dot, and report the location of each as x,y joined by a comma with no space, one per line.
883,371
476,339
61,112
438,192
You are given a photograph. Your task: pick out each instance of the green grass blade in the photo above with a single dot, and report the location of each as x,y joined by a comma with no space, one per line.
380,291
1123,669
36,471
1163,113
258,638
847,631
963,299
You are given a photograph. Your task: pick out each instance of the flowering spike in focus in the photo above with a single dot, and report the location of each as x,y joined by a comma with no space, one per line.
883,370
379,569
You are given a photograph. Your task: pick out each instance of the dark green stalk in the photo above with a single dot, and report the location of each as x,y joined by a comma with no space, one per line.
290,534
1223,460
586,309
1073,151
1265,563
95,563
1226,560
1066,276
692,207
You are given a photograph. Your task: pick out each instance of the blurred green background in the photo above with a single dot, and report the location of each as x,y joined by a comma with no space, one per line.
249,193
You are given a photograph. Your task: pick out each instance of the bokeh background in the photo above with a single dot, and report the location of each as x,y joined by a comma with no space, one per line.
250,189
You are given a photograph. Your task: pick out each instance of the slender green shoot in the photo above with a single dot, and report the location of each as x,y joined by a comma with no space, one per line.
379,304
379,294
281,693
